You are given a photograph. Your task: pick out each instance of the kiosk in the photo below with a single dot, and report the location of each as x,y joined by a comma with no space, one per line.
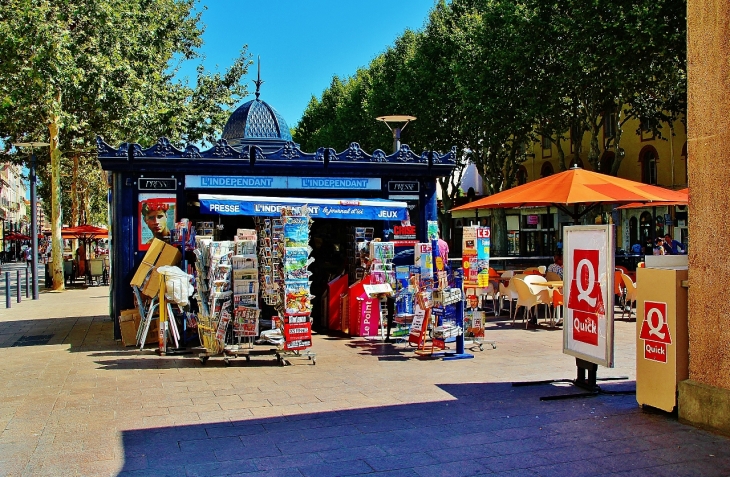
257,158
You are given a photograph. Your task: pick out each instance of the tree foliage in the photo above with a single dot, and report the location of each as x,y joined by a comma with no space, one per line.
493,76
74,69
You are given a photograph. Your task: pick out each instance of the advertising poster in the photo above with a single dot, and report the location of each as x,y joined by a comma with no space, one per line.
483,246
588,276
423,258
469,256
157,216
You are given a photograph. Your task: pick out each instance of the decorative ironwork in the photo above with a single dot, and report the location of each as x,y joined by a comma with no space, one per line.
290,151
163,148
354,153
379,156
191,152
222,149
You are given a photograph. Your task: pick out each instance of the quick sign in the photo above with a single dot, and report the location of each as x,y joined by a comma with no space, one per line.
588,276
655,331
149,183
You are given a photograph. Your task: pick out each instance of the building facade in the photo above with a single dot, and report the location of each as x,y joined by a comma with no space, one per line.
660,161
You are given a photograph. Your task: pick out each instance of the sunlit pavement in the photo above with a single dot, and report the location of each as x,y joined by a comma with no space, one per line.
75,402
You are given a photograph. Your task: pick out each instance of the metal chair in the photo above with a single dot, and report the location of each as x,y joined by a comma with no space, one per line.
630,297
96,270
68,272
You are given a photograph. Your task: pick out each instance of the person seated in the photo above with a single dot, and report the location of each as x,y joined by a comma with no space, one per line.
556,266
659,247
636,249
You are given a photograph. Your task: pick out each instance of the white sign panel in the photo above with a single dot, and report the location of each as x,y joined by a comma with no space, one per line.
588,273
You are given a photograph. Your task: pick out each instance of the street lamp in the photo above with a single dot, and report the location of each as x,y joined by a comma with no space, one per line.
34,212
398,119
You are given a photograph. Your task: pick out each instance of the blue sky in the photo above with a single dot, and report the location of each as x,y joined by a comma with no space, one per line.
303,43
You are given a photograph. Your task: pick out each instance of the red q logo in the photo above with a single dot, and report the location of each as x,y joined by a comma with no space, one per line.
585,290
655,327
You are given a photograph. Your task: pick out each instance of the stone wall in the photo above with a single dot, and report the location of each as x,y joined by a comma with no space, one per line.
708,57
708,150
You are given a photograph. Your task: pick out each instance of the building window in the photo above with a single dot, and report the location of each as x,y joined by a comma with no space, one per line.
521,175
609,127
648,166
633,231
547,147
547,170
647,130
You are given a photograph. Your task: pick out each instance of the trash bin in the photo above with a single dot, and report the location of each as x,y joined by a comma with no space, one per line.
662,342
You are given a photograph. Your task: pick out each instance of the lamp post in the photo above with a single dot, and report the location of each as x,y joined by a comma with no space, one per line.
397,128
34,212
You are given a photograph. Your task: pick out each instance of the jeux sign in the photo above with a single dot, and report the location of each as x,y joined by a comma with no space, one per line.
588,277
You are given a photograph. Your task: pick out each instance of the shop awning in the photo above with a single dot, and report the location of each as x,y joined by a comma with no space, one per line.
362,209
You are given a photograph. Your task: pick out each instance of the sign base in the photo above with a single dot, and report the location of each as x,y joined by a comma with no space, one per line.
588,383
452,356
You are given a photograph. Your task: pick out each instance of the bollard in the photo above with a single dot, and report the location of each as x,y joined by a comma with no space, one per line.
27,284
18,289
7,289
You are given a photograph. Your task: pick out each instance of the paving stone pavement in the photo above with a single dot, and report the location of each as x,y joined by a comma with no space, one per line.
81,404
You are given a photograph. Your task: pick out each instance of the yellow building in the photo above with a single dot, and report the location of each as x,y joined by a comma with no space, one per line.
660,161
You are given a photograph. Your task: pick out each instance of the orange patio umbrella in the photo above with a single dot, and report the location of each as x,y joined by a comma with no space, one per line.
84,232
576,187
639,205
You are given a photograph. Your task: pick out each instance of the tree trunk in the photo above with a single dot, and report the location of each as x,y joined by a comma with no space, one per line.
75,192
561,155
618,152
56,217
594,153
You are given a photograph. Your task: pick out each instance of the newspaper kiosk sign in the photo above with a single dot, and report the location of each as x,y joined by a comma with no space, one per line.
655,331
588,277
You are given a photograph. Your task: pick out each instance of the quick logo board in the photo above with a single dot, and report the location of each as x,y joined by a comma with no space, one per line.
655,331
588,276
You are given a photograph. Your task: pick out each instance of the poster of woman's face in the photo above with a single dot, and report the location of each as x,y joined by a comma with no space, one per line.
156,219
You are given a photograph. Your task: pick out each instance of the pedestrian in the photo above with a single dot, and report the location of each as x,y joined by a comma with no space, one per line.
673,247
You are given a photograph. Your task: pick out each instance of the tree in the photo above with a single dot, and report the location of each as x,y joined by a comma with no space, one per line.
78,68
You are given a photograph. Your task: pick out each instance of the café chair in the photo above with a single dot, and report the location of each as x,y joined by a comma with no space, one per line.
557,308
532,271
528,299
96,270
553,277
542,269
68,271
630,297
619,289
507,292
534,281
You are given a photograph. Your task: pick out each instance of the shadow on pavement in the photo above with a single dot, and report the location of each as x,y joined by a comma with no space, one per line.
478,429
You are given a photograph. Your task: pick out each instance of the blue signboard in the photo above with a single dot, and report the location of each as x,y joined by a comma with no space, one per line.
364,209
272,182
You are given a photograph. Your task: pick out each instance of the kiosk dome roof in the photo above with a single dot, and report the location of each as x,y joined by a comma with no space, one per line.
255,120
